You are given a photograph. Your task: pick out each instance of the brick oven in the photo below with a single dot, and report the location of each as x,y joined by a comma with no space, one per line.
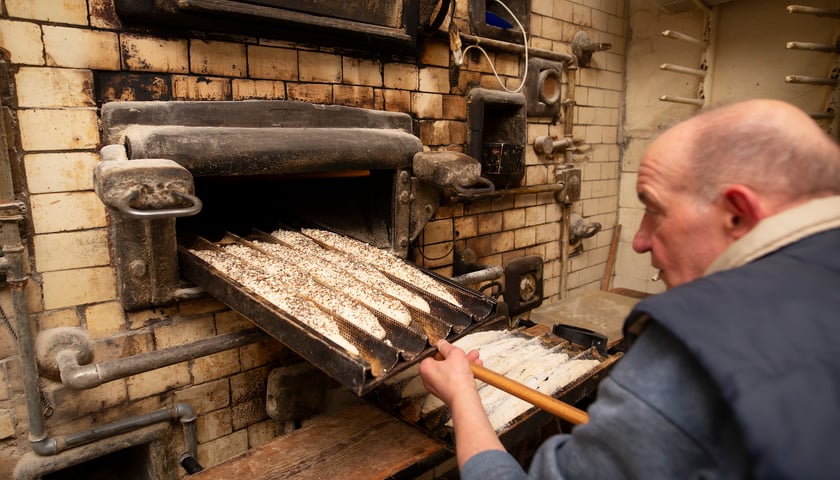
106,53
499,171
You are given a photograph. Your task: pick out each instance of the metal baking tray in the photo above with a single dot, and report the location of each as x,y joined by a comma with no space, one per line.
378,359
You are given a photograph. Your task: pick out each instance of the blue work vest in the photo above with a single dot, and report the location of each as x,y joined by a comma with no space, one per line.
769,335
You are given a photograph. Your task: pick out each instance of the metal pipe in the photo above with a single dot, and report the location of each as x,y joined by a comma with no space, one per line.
570,102
510,191
16,278
680,69
514,48
180,411
820,12
80,377
690,101
489,272
814,47
569,156
830,82
711,50
564,249
681,36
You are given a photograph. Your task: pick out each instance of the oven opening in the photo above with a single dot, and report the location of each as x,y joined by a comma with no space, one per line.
352,202
133,463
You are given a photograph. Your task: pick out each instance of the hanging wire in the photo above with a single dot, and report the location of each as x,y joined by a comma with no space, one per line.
490,61
6,322
421,246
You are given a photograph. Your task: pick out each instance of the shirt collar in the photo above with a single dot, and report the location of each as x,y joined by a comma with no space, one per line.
780,230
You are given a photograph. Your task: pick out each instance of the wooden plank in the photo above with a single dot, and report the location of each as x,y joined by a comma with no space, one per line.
361,442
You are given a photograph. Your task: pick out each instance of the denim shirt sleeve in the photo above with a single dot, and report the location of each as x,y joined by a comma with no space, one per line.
492,465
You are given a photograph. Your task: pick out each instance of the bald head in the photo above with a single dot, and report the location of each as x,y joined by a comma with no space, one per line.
768,145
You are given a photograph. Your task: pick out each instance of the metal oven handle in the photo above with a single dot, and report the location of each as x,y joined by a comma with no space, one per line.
124,205
482,186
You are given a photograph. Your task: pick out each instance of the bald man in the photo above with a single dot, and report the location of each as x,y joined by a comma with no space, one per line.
734,372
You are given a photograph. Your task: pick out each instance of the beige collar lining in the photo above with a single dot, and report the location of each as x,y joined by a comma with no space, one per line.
780,230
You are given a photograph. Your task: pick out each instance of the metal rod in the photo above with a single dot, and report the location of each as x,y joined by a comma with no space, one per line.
89,376
680,69
17,279
709,60
690,101
683,37
831,82
814,47
511,191
180,411
514,48
489,272
820,12
564,247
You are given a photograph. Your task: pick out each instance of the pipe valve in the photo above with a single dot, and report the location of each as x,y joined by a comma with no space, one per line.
548,146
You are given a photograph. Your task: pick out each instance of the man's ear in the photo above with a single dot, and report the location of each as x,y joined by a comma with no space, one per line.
743,208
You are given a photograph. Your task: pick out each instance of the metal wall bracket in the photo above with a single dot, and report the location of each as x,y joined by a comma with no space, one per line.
570,177
583,47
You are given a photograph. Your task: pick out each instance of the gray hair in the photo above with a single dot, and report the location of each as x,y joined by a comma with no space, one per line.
769,146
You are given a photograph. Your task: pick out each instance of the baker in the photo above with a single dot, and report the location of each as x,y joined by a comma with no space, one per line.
734,371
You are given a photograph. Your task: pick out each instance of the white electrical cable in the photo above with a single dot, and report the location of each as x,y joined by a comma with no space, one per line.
492,66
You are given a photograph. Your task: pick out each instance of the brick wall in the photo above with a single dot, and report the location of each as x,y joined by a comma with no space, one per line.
65,55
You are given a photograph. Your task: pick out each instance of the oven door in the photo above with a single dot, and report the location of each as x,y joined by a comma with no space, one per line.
351,24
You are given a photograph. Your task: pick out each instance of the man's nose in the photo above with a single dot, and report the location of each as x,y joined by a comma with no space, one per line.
641,241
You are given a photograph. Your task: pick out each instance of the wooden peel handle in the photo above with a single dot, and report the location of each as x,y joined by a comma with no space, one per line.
534,397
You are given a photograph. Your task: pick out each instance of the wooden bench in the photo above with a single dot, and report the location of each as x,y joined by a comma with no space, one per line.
360,442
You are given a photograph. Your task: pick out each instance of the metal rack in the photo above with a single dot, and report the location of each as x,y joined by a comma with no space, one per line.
831,112
703,72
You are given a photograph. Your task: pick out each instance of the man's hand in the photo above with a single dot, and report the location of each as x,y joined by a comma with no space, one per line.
449,377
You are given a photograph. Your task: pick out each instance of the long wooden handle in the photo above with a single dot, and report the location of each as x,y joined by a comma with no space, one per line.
534,397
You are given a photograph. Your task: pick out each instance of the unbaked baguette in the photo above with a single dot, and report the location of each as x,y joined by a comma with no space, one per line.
303,284
361,271
333,276
268,288
384,261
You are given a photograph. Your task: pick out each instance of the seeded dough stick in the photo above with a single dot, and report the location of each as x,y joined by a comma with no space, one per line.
499,355
359,270
477,339
383,260
524,370
557,379
272,291
473,341
502,355
333,301
327,274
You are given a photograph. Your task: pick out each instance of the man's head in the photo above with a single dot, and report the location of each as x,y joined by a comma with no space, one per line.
709,180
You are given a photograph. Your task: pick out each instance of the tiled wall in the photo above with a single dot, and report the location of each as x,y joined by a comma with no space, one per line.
66,56
747,59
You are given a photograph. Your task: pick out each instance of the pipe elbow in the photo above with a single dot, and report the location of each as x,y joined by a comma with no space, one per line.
46,446
184,412
76,376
